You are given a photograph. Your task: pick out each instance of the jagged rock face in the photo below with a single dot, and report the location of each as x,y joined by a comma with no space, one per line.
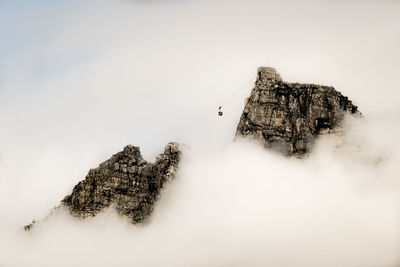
289,115
126,180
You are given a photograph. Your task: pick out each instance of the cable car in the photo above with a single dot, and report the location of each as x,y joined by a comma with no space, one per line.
220,113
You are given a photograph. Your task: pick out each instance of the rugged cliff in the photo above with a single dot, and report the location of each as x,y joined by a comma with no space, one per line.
126,180
288,116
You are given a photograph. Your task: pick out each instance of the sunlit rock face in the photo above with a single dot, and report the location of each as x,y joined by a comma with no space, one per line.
288,116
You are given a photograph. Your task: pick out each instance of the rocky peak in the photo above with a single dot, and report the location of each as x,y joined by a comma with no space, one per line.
125,180
288,116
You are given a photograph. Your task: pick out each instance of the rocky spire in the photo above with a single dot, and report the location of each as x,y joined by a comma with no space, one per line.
288,116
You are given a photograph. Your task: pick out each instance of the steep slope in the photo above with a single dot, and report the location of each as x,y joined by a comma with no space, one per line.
288,116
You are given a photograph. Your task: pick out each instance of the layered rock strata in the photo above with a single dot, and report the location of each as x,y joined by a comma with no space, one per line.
288,116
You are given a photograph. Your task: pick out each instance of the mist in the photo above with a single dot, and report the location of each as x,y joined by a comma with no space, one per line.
79,80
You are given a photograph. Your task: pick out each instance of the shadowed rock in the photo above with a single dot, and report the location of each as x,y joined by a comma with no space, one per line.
288,116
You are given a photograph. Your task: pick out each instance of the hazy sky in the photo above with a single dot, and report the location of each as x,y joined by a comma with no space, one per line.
79,80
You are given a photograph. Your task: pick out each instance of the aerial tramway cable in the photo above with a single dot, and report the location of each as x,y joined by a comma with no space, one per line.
207,116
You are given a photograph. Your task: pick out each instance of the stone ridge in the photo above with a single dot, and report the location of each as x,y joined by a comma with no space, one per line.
288,116
126,180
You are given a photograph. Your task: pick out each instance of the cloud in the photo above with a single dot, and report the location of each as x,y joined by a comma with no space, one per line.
90,77
243,205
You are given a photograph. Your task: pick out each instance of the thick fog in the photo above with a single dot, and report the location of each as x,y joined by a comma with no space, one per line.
79,80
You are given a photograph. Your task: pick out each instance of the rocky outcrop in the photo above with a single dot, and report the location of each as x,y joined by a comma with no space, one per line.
127,181
288,116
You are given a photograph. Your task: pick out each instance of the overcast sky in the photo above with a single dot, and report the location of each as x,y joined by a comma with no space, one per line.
79,80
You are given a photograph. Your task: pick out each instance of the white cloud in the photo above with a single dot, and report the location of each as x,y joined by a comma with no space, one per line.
92,77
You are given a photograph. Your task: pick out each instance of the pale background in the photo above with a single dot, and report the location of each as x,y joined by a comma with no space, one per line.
79,80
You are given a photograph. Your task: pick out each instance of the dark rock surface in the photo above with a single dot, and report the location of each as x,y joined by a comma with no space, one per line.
288,116
127,181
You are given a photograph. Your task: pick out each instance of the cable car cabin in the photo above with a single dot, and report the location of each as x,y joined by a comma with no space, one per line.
220,113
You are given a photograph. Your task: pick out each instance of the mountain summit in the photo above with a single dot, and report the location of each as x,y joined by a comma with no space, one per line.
288,116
